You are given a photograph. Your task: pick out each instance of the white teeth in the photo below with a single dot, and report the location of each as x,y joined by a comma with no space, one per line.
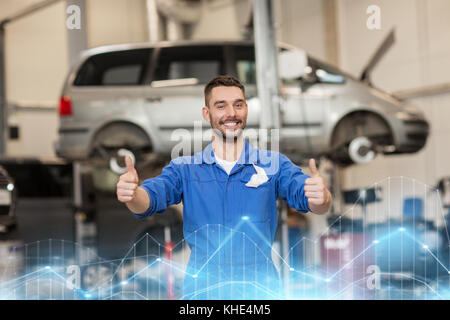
230,124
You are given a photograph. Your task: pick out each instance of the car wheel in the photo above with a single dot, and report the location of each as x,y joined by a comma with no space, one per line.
109,142
360,150
113,163
358,137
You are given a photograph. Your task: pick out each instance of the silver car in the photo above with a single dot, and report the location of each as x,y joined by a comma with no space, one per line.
134,96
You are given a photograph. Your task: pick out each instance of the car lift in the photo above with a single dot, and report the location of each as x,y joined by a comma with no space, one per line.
84,213
266,54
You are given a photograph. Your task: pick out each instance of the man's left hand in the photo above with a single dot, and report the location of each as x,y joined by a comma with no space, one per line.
319,198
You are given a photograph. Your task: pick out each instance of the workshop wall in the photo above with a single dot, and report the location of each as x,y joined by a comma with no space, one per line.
221,20
302,23
36,66
35,53
116,21
37,130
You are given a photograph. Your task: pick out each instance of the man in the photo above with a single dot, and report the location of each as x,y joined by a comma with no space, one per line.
229,193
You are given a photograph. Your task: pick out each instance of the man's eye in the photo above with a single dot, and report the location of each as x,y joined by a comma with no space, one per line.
239,105
220,106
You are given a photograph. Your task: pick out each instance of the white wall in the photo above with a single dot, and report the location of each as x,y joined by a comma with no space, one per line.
37,131
116,21
301,23
222,19
36,55
36,65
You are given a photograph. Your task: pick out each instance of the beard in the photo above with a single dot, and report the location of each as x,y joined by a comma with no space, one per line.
221,131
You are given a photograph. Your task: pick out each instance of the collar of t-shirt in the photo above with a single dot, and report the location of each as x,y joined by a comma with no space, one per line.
226,165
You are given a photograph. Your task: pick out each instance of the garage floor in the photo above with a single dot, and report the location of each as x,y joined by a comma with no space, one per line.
44,219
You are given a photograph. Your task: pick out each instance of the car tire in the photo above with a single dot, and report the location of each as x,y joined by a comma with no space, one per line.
360,150
120,136
122,153
358,137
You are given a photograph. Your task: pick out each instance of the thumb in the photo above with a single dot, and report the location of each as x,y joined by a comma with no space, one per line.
313,168
129,164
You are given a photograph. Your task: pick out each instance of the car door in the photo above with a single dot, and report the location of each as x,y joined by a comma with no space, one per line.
307,107
302,118
108,85
174,97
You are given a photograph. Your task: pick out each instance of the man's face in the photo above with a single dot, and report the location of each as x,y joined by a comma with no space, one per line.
226,111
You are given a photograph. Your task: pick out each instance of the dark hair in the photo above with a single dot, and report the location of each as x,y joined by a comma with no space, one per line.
222,81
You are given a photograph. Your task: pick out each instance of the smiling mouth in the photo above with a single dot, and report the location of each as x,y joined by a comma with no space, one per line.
231,124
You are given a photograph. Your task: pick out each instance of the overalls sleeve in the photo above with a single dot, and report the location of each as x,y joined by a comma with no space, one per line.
290,185
163,190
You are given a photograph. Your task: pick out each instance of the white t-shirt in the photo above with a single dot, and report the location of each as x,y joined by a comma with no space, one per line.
226,165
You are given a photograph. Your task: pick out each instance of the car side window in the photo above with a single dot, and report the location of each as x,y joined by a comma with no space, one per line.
114,68
196,63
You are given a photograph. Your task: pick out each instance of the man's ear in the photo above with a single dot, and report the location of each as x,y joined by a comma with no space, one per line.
205,113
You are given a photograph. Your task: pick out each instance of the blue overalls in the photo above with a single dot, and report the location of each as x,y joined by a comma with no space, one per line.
228,225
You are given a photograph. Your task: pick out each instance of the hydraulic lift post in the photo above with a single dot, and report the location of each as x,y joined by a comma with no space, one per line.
3,102
85,213
266,54
266,64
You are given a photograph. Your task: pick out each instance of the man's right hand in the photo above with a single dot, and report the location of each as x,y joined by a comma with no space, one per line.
128,183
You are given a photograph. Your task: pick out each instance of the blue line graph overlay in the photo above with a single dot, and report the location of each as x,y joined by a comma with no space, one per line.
389,257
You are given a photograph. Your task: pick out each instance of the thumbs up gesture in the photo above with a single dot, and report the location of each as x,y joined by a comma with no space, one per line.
128,183
319,197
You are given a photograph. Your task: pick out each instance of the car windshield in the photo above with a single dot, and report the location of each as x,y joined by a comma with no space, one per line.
322,73
316,71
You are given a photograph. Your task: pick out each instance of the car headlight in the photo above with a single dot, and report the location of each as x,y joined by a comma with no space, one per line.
404,115
414,111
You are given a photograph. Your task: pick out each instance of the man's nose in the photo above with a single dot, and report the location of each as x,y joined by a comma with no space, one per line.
230,112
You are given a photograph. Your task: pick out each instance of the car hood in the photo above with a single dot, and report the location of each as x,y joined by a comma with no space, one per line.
374,97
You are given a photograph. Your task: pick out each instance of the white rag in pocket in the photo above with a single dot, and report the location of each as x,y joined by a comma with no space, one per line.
258,178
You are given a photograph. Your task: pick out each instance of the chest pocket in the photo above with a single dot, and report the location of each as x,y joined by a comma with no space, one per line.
255,177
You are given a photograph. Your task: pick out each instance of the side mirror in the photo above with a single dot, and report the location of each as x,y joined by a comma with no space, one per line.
292,64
